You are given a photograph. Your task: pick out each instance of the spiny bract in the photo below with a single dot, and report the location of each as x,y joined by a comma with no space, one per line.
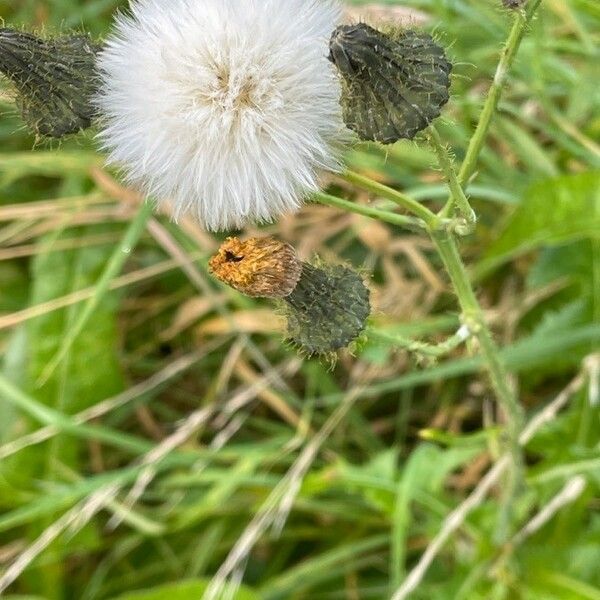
55,79
394,83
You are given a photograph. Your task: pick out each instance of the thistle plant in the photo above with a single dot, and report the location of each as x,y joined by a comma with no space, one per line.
230,114
230,110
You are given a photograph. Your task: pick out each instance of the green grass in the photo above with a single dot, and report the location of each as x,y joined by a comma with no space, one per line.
373,454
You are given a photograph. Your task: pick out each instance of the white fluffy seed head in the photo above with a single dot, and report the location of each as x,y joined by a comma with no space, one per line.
228,108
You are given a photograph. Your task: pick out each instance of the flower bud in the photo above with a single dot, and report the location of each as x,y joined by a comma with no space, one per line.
326,306
55,80
328,309
394,84
258,267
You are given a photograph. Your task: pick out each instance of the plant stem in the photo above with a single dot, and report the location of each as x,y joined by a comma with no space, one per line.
522,20
457,192
429,217
366,211
474,319
418,347
472,313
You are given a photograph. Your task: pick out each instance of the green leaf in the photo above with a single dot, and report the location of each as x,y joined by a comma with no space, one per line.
571,588
49,163
553,212
91,374
527,148
184,590
578,264
13,287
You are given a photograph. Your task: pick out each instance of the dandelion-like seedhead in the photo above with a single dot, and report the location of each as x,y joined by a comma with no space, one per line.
55,79
228,108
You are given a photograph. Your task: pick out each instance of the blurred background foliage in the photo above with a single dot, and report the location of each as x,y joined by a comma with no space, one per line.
415,438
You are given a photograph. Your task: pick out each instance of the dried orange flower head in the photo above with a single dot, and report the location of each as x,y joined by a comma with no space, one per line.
258,267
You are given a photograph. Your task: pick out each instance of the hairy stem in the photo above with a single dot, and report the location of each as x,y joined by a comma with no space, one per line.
416,208
458,195
423,348
366,211
474,319
521,22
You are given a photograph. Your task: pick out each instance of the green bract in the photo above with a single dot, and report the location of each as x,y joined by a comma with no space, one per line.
328,309
394,84
55,79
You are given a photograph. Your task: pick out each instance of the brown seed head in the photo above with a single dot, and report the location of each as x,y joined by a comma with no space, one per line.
258,267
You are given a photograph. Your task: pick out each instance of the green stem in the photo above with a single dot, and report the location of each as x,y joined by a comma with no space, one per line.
399,198
366,211
474,319
472,313
522,20
113,268
432,350
457,192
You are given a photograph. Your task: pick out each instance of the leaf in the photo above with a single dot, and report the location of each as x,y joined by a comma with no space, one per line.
553,212
15,165
424,473
527,148
577,263
426,470
13,287
572,261
90,374
185,590
93,372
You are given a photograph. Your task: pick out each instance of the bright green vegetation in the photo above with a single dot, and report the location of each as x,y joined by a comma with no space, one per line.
97,302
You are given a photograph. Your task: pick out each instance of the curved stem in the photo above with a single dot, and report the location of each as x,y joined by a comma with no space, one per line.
418,347
367,211
474,319
429,217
